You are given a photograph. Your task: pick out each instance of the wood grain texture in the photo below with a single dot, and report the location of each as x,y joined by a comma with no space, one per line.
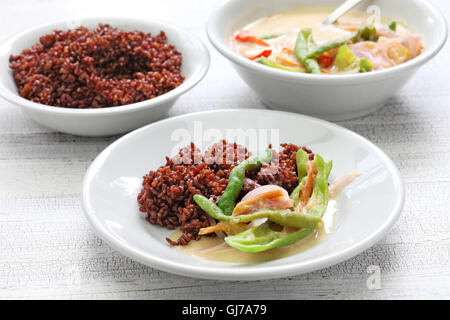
48,250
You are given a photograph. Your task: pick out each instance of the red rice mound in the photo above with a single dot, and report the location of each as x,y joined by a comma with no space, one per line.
167,193
98,68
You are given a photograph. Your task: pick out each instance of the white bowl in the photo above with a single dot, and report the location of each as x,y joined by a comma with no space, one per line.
114,120
366,209
336,97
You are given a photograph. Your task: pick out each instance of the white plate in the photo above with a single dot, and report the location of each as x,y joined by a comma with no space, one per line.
367,208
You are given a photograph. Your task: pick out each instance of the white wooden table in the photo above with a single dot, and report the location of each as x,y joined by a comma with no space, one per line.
48,250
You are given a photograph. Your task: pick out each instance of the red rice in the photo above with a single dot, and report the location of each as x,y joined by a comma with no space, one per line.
98,68
166,195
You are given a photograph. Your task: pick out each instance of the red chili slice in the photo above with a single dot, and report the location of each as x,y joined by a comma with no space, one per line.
265,53
325,61
247,36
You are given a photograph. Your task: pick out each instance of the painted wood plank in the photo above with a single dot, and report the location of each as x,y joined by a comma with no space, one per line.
48,250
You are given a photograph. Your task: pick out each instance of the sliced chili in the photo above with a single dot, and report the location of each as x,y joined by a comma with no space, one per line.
325,61
247,36
264,53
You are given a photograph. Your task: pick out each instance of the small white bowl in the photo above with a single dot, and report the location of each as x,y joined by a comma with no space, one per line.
113,120
114,180
336,97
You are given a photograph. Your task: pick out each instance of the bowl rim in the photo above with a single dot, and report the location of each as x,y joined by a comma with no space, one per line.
337,79
203,63
229,274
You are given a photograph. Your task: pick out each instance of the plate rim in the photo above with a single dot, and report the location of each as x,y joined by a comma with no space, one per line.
243,273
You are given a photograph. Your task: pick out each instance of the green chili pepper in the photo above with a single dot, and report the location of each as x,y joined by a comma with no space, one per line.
302,44
262,238
365,32
227,201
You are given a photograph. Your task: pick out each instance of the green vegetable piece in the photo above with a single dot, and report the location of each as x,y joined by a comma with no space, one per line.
210,208
302,44
284,217
271,36
262,238
311,216
270,63
365,32
318,202
346,59
365,65
227,201
301,158
295,194
393,26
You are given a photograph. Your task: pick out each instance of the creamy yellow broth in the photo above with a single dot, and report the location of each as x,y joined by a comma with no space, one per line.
290,23
293,21
214,248
391,48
